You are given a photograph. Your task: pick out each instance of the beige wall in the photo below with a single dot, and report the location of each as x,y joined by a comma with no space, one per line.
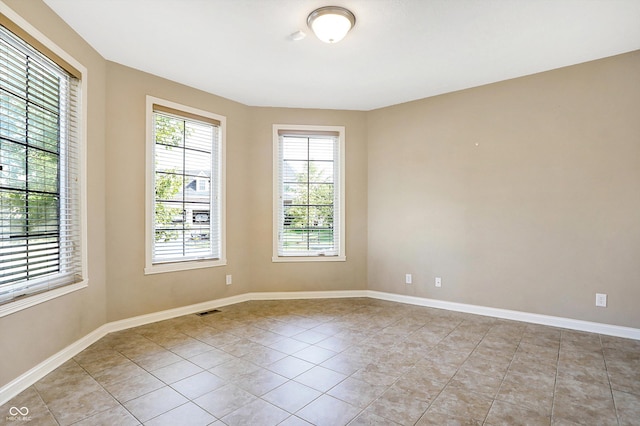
249,202
130,292
34,334
538,217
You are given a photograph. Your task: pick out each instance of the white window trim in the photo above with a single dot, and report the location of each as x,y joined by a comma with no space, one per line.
29,301
341,257
158,268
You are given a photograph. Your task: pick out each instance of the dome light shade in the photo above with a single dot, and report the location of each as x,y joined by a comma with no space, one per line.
331,23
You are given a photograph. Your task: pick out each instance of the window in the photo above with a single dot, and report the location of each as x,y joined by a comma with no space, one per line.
309,193
42,222
185,188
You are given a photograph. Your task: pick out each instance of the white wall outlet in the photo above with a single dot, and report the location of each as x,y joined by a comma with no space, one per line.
601,300
438,282
228,280
408,279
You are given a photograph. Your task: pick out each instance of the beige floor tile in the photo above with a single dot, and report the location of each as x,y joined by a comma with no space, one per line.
431,418
153,404
470,406
374,374
66,387
132,387
400,406
288,346
335,344
529,388
294,421
369,418
186,414
81,405
156,360
233,369
583,373
627,407
423,387
505,414
495,366
211,358
310,336
445,357
176,371
323,361
257,412
346,363
583,402
36,410
287,330
356,392
624,376
114,416
438,371
290,367
198,384
241,347
224,400
191,348
218,340
314,354
471,381
328,411
264,356
320,378
291,396
260,382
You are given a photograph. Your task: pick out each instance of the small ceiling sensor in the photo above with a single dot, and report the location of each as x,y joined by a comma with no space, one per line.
297,36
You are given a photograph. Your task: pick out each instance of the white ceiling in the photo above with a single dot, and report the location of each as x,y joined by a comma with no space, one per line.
399,50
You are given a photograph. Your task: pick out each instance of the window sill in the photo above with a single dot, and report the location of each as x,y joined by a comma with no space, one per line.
286,259
29,301
160,268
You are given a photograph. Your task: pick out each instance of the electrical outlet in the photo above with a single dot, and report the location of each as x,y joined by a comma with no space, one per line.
228,280
408,279
438,282
601,300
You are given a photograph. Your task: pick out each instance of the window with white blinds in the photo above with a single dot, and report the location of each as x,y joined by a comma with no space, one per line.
41,224
309,193
186,182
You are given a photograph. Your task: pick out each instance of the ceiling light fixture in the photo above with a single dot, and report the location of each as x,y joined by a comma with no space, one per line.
331,23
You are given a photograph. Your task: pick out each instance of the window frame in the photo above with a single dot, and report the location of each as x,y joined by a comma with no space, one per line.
305,131
189,263
31,36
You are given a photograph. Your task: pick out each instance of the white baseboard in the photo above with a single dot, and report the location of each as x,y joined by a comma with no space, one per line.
290,295
13,388
176,312
22,382
560,322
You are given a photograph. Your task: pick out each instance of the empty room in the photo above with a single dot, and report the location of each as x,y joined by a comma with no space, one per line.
287,212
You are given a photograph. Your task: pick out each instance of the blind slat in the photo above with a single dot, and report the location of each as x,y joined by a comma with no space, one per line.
308,195
186,157
40,157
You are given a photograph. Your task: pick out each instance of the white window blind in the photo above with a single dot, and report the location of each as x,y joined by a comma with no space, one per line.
186,176
309,193
40,200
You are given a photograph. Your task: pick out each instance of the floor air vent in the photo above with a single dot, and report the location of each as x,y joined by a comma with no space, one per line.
201,314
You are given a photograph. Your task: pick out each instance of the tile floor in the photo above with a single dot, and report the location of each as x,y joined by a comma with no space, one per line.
341,361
